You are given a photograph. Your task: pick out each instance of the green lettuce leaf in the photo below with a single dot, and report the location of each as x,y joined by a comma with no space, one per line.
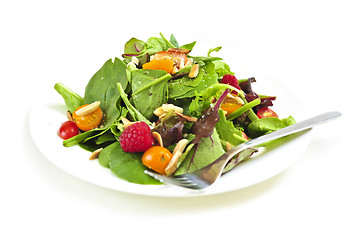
209,149
264,126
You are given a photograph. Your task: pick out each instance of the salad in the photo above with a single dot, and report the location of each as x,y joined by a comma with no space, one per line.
159,107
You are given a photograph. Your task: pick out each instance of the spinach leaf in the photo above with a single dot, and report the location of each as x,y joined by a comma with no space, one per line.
154,45
71,99
267,125
134,47
188,46
135,114
125,165
103,87
174,41
209,149
186,87
149,90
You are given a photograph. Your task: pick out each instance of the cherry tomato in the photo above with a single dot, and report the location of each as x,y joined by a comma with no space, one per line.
157,158
266,113
67,130
88,122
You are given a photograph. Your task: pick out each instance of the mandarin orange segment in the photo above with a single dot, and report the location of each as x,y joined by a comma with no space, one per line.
230,104
162,64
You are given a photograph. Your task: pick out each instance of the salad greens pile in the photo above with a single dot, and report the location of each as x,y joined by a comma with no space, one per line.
125,89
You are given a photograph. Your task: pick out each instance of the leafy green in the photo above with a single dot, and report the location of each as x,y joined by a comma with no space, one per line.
204,98
174,41
71,99
242,156
247,106
222,68
155,45
217,49
149,90
208,150
134,47
103,87
134,113
264,126
188,46
125,165
186,87
227,131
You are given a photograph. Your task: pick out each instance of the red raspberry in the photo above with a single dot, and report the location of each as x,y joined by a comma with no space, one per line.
232,81
136,138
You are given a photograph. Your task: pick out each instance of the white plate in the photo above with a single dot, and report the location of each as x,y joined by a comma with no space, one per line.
47,116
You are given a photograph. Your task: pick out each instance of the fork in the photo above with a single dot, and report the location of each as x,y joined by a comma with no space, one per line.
207,176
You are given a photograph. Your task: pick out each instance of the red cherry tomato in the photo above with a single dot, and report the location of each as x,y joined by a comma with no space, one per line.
157,158
67,130
266,113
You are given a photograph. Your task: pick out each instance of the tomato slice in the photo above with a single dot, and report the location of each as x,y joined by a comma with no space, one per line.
157,158
266,113
88,122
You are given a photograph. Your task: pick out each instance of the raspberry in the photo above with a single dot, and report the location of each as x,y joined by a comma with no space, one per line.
136,138
231,80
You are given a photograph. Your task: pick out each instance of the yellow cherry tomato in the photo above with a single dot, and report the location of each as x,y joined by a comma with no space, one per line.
88,122
157,158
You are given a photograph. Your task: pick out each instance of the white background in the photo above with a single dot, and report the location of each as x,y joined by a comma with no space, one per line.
307,45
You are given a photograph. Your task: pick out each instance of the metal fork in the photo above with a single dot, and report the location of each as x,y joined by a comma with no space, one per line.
207,176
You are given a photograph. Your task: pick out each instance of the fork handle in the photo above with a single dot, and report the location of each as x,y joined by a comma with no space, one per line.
297,127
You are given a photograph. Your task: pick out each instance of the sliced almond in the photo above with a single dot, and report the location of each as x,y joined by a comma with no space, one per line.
177,152
95,154
135,60
194,71
188,118
157,137
228,146
180,146
69,116
173,164
88,109
159,111
175,70
188,63
126,122
166,108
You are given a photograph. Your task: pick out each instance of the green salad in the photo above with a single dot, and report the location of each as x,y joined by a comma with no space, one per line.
159,107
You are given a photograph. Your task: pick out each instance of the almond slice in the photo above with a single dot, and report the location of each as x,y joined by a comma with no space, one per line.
69,116
177,152
158,138
95,154
194,71
126,122
88,109
188,118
